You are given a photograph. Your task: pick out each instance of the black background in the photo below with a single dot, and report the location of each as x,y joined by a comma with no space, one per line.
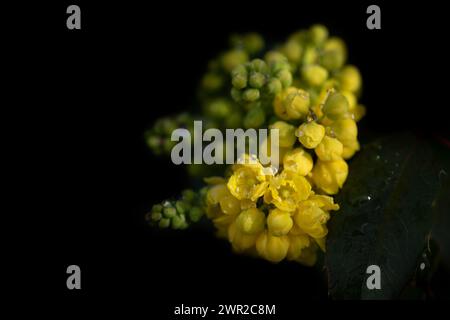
91,93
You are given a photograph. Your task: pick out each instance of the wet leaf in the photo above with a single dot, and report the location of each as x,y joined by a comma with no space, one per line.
385,217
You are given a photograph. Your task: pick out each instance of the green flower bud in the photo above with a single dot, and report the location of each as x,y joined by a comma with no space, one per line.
275,57
250,42
253,43
157,208
334,54
332,60
195,214
153,142
336,107
212,81
257,80
286,133
239,81
219,108
239,77
314,75
250,95
156,216
164,223
309,56
274,86
165,126
181,206
240,69
259,65
318,34
178,221
233,58
188,195
255,118
293,51
285,76
169,212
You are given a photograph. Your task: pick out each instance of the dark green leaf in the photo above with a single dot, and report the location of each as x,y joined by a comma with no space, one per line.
385,217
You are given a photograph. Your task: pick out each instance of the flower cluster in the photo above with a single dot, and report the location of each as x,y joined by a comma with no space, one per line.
276,217
178,214
304,88
314,107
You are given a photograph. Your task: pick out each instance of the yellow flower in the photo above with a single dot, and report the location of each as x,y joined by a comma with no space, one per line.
251,221
329,176
230,205
312,219
222,207
239,240
215,193
248,181
286,190
350,78
350,149
291,103
286,133
346,132
314,75
279,222
298,161
310,134
271,247
296,245
322,201
330,149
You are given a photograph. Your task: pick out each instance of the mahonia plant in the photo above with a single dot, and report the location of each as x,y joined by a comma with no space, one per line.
303,88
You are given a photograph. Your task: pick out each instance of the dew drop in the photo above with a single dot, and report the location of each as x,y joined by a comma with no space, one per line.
360,200
422,266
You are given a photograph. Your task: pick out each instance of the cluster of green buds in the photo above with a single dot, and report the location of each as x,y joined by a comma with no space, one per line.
158,137
224,111
255,83
178,214
251,42
257,79
314,46
243,47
